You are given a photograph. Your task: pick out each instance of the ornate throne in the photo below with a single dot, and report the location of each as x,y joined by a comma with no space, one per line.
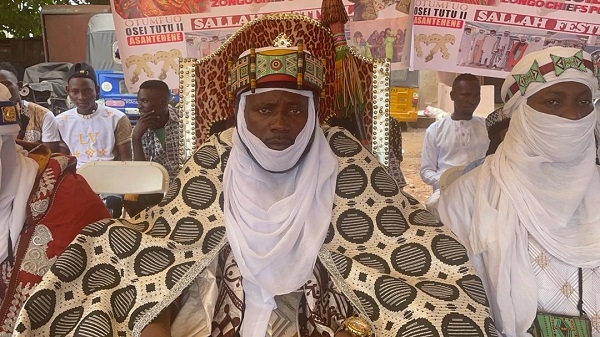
205,105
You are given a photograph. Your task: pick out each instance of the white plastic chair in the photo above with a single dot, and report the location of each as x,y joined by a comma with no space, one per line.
125,177
450,175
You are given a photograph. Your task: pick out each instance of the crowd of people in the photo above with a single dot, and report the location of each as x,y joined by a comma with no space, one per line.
380,44
490,49
282,227
92,132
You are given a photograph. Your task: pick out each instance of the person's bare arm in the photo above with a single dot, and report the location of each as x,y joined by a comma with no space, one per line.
63,148
124,151
160,326
53,146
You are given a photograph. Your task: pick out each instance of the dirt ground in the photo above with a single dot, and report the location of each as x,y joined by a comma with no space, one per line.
412,140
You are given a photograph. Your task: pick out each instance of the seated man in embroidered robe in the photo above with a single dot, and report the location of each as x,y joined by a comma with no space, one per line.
277,227
41,126
36,188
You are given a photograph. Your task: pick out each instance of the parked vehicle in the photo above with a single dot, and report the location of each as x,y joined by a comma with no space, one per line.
45,84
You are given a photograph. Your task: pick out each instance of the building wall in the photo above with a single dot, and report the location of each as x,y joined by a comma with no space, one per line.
22,53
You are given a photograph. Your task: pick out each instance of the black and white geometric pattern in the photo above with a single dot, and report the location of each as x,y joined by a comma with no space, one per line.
396,263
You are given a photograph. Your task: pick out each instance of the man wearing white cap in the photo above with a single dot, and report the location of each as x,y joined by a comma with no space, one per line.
455,140
35,226
277,227
529,214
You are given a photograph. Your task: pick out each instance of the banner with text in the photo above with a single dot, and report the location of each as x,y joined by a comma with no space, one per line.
490,39
153,35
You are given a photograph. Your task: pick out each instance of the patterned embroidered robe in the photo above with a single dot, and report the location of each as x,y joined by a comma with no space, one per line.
60,205
396,265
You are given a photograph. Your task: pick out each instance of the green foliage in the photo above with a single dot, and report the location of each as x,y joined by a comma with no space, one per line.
22,18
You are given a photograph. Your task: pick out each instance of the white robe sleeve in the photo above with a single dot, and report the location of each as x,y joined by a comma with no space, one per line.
50,128
429,158
455,207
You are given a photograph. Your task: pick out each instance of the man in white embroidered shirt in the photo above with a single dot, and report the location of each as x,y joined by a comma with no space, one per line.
455,140
91,131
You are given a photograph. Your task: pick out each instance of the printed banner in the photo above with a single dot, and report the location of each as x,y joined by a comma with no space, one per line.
379,28
489,39
154,34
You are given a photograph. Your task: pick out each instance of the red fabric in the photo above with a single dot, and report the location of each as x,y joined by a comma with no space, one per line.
74,206
62,203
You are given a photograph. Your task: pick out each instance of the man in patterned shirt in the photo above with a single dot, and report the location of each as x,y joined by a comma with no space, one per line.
42,127
155,137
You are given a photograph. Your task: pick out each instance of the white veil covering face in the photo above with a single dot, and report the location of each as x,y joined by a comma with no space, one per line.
276,222
542,181
17,175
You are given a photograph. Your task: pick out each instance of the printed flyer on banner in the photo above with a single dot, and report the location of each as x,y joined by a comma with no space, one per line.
490,39
378,29
154,34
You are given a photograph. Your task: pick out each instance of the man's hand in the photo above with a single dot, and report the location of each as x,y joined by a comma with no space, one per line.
354,326
160,326
149,120
143,201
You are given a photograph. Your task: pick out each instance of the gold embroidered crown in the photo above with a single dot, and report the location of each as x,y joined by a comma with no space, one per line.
10,114
285,66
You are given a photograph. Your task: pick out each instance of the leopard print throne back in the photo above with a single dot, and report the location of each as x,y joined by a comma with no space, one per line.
211,103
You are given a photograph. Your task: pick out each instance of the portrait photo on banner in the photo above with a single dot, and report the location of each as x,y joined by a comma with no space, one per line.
488,38
496,47
383,38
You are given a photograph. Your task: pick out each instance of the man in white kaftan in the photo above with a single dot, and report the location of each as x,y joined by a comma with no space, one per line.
455,140
490,43
464,50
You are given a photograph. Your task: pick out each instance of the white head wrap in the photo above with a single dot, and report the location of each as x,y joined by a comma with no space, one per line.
543,183
17,175
276,222
577,66
269,159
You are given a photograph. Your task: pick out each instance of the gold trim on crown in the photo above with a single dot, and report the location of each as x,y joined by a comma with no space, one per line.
10,115
282,40
279,64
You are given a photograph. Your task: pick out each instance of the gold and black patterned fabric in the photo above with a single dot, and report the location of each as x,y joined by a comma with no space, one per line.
10,114
397,266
